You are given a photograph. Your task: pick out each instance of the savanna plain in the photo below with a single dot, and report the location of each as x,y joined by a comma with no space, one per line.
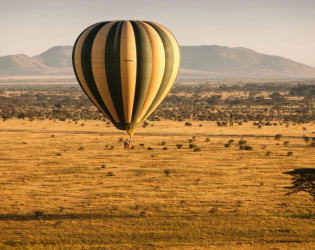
186,183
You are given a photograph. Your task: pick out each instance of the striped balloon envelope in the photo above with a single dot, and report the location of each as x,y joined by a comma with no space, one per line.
126,68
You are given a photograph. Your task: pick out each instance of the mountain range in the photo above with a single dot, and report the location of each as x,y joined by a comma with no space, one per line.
196,61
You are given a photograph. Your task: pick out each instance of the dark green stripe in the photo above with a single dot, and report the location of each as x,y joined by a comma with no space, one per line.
144,68
112,67
87,67
169,64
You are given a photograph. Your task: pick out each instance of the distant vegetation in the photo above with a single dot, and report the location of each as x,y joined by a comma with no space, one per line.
266,104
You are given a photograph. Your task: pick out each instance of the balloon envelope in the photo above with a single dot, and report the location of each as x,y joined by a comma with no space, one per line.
126,68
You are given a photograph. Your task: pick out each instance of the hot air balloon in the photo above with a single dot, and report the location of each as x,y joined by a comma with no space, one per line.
126,68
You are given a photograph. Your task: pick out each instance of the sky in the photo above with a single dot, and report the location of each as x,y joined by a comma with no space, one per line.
276,27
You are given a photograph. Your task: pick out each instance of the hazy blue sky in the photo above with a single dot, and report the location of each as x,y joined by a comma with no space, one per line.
278,27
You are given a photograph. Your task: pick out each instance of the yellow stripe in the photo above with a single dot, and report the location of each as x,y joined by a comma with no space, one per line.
128,68
78,67
176,52
158,66
98,68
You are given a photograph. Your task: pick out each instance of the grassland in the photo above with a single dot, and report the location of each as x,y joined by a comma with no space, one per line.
72,186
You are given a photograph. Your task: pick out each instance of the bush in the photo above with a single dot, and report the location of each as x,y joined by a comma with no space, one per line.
227,145
165,148
192,146
110,174
81,148
268,153
278,137
197,149
179,146
149,148
286,143
188,124
166,172
133,147
290,153
38,213
246,147
242,142
306,138
141,145
207,140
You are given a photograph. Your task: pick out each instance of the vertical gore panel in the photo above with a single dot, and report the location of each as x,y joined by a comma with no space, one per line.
144,68
77,66
158,66
98,68
169,65
176,54
87,66
112,67
128,68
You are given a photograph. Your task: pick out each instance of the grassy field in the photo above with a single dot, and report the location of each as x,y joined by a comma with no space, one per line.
71,186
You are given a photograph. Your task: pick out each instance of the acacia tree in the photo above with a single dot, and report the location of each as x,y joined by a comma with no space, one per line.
303,180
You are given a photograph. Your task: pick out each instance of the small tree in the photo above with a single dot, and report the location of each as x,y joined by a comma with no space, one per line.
303,180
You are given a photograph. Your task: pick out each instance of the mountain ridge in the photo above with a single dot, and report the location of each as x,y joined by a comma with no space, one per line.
209,61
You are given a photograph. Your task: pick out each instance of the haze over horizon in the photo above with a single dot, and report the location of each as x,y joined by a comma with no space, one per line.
283,28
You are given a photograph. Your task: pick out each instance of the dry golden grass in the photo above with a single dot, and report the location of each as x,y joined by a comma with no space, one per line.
71,191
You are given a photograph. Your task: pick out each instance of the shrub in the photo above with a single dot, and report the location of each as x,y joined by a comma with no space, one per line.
268,153
278,137
166,172
179,146
110,174
242,142
133,147
149,148
289,153
192,146
38,213
197,149
246,147
286,143
227,145
188,124
58,154
165,148
81,148
207,140
306,138
141,145
163,143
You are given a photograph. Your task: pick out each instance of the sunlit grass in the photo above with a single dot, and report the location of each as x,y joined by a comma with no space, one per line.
55,194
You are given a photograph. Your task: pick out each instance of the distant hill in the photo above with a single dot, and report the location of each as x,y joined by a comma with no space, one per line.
197,61
220,61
